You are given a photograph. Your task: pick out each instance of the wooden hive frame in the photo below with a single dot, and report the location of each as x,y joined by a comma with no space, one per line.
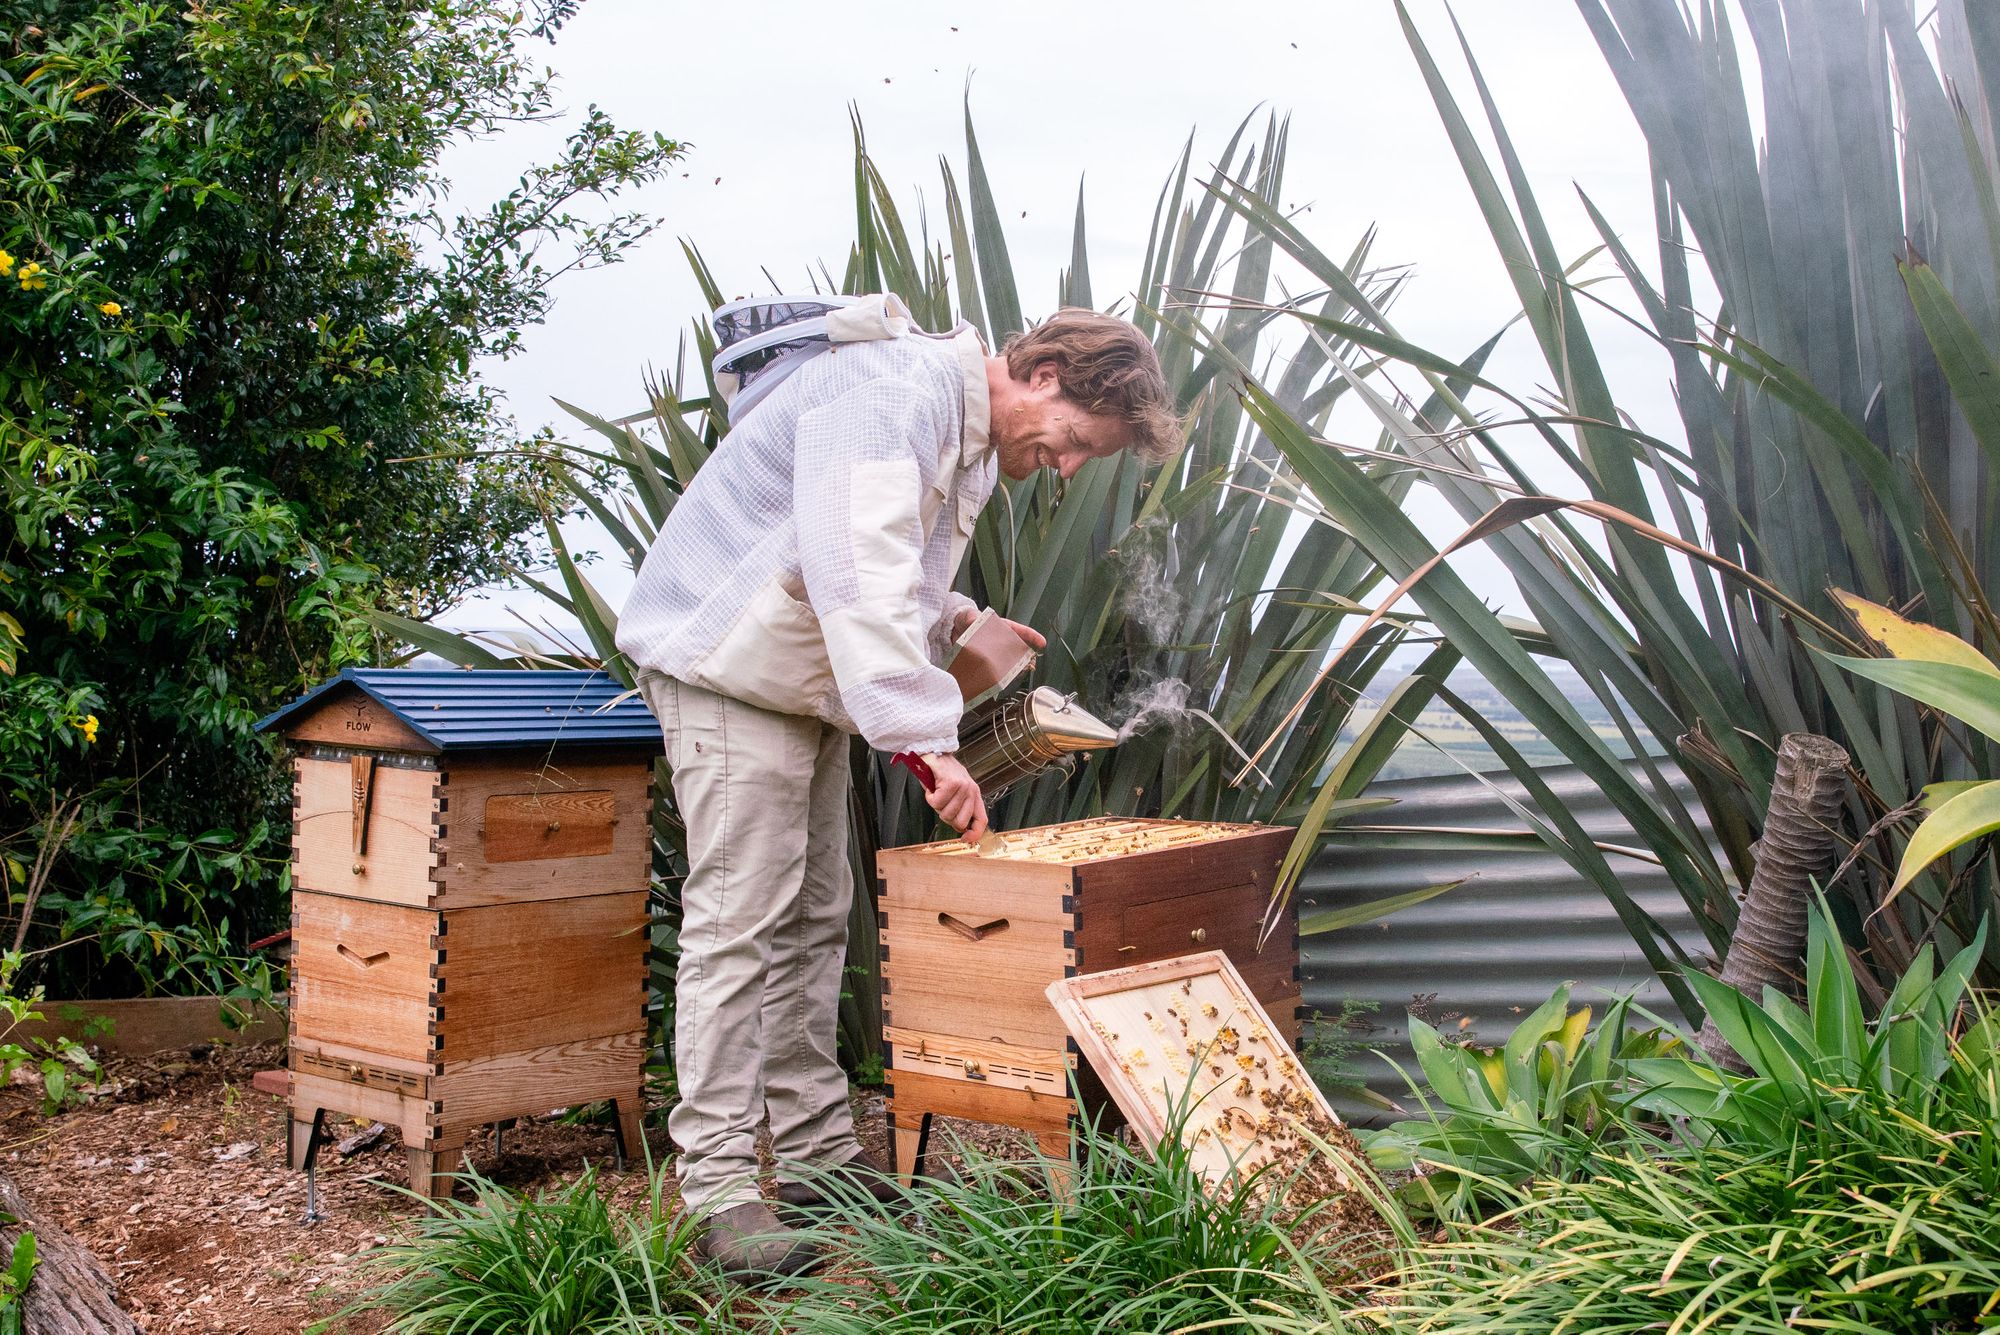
1183,1046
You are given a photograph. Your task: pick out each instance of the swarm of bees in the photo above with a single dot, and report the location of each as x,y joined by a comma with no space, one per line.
1251,1105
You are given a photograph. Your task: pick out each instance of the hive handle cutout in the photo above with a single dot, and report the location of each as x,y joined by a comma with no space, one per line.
970,932
359,960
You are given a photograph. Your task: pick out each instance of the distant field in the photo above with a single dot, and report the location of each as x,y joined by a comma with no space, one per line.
1453,746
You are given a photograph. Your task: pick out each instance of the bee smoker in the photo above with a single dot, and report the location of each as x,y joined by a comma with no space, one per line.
1018,738
1002,743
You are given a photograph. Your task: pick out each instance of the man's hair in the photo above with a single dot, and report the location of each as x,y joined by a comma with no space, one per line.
1104,366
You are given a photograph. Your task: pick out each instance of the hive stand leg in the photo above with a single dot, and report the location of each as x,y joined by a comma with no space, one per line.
304,1122
909,1141
1056,1147
302,1147
431,1167
628,1128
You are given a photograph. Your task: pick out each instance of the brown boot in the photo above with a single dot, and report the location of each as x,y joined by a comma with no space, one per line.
749,1244
862,1176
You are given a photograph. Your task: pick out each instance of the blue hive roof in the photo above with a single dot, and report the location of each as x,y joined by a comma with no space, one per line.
458,710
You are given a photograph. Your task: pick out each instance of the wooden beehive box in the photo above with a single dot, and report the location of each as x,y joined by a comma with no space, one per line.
470,859
971,943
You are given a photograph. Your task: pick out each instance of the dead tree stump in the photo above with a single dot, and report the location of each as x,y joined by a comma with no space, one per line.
1768,947
71,1293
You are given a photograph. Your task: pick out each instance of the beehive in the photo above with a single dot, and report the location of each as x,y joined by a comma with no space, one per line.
470,858
971,942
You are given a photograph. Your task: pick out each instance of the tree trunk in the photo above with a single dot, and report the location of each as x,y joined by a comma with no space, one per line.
1768,948
70,1293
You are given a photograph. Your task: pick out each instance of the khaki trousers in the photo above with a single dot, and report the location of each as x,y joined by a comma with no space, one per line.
763,939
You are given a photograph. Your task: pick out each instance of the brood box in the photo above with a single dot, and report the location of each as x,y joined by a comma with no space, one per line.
970,943
470,859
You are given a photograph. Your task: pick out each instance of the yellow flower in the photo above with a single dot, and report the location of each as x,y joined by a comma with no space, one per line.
6,264
31,277
89,728
111,308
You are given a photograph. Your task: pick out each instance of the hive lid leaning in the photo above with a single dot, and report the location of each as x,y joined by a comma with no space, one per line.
451,709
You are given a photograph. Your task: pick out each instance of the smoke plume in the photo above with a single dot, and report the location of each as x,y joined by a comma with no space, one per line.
1163,701
1150,565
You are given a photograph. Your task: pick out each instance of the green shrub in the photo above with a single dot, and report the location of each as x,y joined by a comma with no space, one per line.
1875,1221
1879,1214
1535,1107
562,1263
238,410
1809,1063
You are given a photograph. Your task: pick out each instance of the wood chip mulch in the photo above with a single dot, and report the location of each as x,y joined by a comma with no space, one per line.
174,1176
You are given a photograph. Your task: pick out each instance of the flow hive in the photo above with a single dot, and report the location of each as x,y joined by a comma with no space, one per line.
970,944
470,857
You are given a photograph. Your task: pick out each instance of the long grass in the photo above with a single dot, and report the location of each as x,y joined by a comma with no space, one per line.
1877,1214
1115,1240
564,1262
1878,1218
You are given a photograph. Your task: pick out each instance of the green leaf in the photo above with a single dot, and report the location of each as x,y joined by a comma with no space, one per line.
1969,815
600,623
1452,1074
996,271
1353,915
1756,1037
1969,696
21,1266
449,645
1967,364
1839,1029
1523,1047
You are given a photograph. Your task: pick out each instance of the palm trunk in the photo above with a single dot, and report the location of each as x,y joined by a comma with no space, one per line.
1769,945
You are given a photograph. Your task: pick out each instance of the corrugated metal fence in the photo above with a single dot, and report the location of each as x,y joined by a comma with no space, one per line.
1493,949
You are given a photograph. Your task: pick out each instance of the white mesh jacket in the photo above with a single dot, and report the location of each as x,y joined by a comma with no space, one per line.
808,567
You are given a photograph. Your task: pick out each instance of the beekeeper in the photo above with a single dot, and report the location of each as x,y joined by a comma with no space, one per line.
800,592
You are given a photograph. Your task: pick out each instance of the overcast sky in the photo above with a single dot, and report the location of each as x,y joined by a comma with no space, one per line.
1105,93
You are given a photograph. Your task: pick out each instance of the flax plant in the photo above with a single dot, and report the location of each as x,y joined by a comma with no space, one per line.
1838,426
1178,588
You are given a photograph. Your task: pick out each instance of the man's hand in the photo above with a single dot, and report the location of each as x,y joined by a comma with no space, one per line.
955,797
1034,637
1028,633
